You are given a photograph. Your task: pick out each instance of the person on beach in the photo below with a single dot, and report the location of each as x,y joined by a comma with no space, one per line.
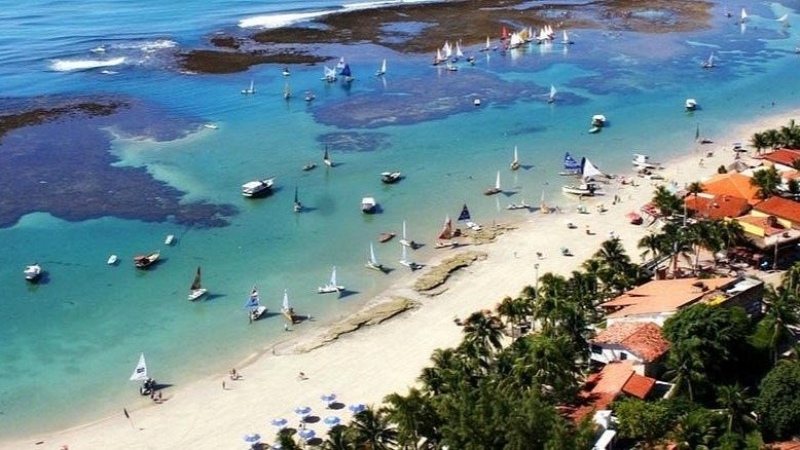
301,376
223,385
234,374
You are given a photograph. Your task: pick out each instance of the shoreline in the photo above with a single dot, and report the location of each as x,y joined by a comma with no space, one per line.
364,365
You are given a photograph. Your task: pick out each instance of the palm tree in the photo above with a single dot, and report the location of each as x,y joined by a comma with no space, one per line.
338,439
666,202
782,313
483,333
372,430
685,367
414,416
772,138
766,181
737,406
759,141
286,440
695,431
694,188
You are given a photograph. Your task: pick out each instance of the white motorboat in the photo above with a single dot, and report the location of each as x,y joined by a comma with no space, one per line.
112,260
368,205
641,161
258,188
196,290
33,272
691,104
598,122
587,189
332,285
391,177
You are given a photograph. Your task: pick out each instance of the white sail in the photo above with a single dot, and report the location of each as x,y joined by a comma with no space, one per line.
285,306
382,70
590,171
497,181
333,276
488,43
744,16
372,259
404,256
459,53
447,50
140,372
552,93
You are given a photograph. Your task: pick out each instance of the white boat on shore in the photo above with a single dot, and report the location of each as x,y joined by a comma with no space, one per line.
407,262
405,242
446,235
196,291
256,309
332,285
641,161
583,189
372,261
33,272
258,188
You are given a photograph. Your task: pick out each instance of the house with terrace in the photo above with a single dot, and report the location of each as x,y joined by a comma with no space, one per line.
641,343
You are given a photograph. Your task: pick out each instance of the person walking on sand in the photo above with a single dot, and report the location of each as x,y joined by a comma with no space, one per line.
223,385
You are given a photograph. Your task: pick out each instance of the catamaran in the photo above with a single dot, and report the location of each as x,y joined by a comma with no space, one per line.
459,53
565,38
709,63
446,236
257,310
332,285
372,262
382,70
140,374
496,189
251,89
197,290
329,74
591,173
405,242
515,162
488,45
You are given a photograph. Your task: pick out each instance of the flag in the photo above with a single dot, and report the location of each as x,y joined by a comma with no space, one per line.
125,411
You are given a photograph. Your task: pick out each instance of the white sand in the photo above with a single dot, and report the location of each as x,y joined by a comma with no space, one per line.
366,365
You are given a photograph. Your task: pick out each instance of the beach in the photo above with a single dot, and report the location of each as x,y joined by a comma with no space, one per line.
366,365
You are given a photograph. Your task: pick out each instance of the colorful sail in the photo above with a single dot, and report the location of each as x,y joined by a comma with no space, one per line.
464,214
447,229
346,71
255,300
570,165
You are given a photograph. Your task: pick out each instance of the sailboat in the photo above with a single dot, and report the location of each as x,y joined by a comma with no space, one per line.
405,261
459,53
744,16
326,158
565,38
251,89
496,189
257,310
346,73
589,172
446,235
488,45
405,242
287,91
196,291
286,309
372,262
332,285
467,219
329,74
552,97
140,374
382,70
298,207
709,63
571,166
515,162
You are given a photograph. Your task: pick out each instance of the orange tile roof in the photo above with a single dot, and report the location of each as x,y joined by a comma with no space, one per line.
663,295
783,156
732,184
789,445
639,386
710,206
780,208
642,339
608,384
763,224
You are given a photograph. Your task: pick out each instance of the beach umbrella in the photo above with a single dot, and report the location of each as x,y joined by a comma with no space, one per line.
252,438
328,398
307,434
332,421
276,446
302,411
279,422
358,407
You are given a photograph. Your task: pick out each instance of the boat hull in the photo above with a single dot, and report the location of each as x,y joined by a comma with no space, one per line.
197,294
329,289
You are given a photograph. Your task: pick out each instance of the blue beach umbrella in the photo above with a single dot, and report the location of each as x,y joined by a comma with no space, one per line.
279,422
307,434
252,438
332,421
358,407
302,411
328,398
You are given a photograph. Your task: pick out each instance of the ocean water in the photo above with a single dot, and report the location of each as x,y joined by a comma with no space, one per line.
68,346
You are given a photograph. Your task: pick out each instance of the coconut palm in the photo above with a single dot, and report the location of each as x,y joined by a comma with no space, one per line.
766,181
695,431
483,334
338,439
666,202
759,141
372,430
783,312
685,367
737,406
414,416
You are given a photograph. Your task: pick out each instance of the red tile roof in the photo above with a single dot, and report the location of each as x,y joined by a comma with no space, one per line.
789,445
764,224
710,206
780,208
732,184
660,296
783,156
608,383
642,339
639,386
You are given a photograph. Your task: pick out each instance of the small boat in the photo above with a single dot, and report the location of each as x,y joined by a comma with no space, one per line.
310,96
496,189
251,90
258,188
590,172
451,67
391,177
140,374
744,16
309,166
598,122
459,53
690,104
552,96
286,72
446,235
286,309
405,261
196,290
326,158
587,189
257,310
146,261
346,73
386,236
329,75
476,102
571,166
488,45
298,207
368,205
565,38
211,126
112,260
709,63
465,217
514,206
170,239
515,162
332,285
405,242
372,261
382,70
287,91
643,162
33,272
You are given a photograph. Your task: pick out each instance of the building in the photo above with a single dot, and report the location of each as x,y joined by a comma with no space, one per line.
641,343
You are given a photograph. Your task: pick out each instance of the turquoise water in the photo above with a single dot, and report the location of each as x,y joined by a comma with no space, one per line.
70,344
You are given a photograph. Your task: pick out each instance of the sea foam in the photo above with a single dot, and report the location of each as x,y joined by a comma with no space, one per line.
71,65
